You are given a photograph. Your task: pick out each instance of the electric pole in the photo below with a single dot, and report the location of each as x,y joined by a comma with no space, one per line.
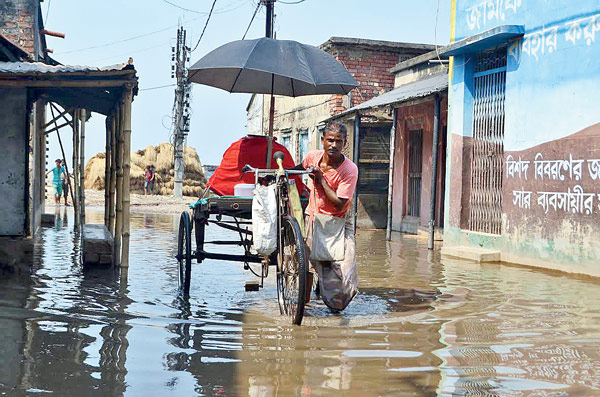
269,4
181,116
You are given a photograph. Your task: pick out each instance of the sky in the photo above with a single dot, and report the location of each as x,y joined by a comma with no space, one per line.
101,33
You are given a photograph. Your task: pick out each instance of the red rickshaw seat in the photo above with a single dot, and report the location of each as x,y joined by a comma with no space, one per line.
252,150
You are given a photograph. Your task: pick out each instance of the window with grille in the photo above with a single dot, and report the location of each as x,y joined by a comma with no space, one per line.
487,155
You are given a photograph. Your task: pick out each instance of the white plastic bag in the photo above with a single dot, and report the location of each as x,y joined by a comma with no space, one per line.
328,240
264,219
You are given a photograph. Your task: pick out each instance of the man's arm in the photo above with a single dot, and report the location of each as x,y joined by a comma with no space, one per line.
331,195
298,167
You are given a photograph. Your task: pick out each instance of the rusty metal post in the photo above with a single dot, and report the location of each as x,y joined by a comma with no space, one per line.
356,158
434,171
388,231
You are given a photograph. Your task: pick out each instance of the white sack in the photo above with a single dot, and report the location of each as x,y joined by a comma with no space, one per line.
264,219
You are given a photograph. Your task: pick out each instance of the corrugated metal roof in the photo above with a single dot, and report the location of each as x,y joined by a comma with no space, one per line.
32,68
417,89
97,89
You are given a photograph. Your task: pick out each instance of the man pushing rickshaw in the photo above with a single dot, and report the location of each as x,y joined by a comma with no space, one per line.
329,224
274,208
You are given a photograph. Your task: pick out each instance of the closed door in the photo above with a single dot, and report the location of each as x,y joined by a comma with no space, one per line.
415,166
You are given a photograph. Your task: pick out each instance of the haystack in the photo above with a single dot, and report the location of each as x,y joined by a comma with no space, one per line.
161,157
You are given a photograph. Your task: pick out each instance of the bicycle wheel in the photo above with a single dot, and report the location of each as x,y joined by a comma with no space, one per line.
184,253
292,271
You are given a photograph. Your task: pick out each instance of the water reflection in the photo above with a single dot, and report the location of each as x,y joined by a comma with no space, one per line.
420,326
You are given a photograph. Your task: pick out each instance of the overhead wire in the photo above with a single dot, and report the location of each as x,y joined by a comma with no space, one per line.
115,42
129,53
183,8
157,87
205,25
437,52
291,2
435,41
47,10
218,11
124,40
251,20
222,10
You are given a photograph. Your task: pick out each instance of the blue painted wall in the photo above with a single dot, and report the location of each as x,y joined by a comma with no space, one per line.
553,79
552,113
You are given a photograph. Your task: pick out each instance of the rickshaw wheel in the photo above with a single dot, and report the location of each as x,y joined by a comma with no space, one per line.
292,271
184,252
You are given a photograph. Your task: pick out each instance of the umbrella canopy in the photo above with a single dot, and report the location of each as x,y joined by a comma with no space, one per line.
268,66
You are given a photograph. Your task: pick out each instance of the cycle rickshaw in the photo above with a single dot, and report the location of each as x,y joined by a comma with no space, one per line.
275,67
290,258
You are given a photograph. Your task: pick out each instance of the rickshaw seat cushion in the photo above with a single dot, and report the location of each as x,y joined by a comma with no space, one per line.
252,150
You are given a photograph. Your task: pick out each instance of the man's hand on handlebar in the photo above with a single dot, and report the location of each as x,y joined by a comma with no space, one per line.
316,174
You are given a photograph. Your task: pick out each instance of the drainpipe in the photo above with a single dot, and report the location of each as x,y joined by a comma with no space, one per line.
356,134
434,171
388,234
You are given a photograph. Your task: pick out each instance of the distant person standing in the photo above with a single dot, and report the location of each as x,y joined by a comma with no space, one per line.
57,180
65,181
149,179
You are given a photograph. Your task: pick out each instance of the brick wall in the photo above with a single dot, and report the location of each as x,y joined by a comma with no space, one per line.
370,68
17,19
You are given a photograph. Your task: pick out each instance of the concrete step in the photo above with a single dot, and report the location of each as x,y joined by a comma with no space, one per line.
476,254
97,245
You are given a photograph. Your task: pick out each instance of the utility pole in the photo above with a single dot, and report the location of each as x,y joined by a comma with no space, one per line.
269,4
181,117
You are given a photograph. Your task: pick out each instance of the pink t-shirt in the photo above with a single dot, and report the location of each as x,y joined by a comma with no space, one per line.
341,179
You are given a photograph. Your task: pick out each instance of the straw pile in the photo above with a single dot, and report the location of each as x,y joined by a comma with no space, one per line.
161,157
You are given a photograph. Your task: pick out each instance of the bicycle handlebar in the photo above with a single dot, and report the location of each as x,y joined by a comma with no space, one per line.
249,168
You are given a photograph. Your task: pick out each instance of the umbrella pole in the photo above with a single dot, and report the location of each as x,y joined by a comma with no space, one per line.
270,137
271,117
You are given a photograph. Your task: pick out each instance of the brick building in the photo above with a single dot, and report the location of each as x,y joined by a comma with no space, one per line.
418,99
21,24
299,122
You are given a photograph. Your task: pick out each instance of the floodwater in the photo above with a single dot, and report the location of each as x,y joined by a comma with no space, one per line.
420,326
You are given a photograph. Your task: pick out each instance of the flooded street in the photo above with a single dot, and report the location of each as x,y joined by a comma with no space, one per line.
420,326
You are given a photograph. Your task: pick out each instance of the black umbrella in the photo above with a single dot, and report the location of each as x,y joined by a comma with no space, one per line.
268,66
276,67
